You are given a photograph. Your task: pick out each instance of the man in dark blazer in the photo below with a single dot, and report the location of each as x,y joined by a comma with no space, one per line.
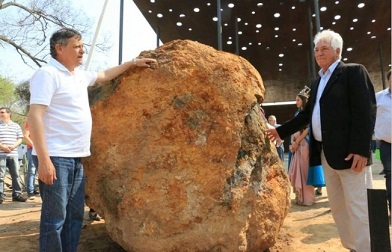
341,112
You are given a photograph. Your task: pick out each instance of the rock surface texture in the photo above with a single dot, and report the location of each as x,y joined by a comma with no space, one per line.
180,160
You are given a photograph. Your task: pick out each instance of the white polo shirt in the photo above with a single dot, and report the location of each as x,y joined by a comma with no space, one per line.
67,119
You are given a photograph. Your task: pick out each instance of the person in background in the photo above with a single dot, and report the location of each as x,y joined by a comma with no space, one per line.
316,174
341,112
11,136
60,124
319,191
94,216
278,143
31,170
383,133
299,165
374,143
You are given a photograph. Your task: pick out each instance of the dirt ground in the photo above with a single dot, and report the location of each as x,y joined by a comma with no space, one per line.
305,228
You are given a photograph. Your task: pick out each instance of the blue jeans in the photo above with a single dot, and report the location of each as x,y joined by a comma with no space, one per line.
12,163
280,151
31,172
385,154
62,206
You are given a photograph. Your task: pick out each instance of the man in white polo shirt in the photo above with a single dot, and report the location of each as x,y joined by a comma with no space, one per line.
60,125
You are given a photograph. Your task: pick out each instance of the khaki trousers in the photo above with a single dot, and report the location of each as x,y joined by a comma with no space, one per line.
347,195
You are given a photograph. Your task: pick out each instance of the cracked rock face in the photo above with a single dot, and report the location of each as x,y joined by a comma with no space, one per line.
180,161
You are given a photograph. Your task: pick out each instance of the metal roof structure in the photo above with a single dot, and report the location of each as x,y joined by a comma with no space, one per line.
276,35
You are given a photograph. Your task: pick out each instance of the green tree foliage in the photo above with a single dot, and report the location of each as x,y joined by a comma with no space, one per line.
22,92
9,99
7,95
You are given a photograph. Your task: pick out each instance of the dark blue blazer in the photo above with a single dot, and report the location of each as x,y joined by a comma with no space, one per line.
347,112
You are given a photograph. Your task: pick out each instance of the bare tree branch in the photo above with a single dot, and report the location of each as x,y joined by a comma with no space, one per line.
26,25
38,14
36,60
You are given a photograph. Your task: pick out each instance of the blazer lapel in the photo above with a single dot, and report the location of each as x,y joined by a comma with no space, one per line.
334,77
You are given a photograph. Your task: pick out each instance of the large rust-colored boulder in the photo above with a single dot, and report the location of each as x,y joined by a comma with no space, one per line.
180,160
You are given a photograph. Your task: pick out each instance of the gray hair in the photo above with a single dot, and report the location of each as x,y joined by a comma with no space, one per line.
272,117
61,37
331,37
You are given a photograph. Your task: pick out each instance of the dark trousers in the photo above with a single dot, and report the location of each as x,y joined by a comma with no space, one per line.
385,154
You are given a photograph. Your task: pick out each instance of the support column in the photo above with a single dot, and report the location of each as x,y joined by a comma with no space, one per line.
120,40
236,37
312,60
317,13
219,24
158,31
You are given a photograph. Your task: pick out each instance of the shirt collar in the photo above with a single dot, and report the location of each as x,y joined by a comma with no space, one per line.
58,65
2,122
330,70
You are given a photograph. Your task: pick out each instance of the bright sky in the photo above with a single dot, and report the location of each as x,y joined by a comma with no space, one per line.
138,36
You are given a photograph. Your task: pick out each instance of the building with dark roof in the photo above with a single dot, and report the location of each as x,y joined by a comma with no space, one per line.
276,36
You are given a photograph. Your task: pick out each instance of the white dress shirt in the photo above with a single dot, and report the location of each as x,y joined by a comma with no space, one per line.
316,121
383,118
